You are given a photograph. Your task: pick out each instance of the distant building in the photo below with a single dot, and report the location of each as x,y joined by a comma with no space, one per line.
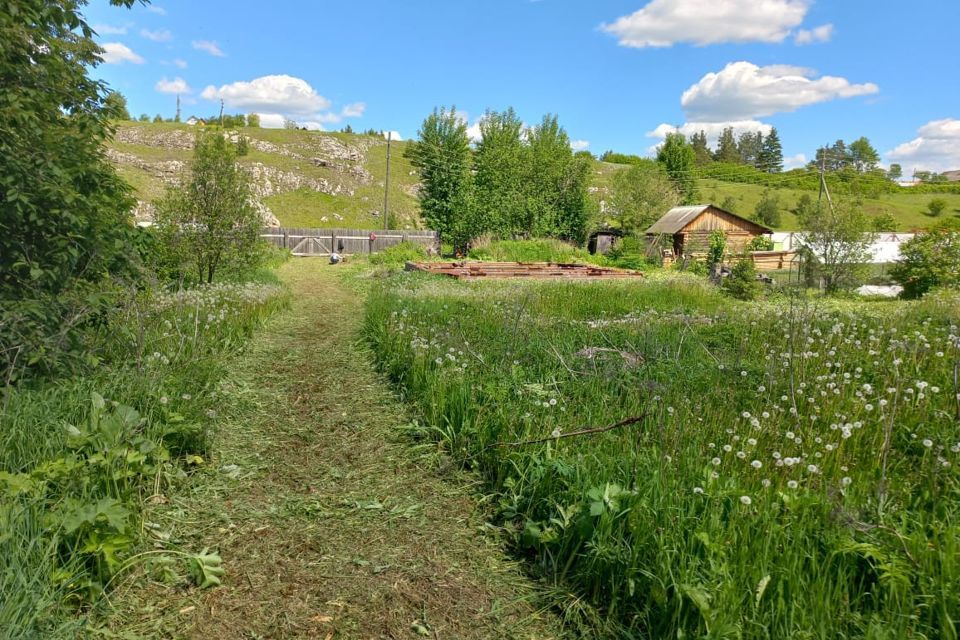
687,230
194,120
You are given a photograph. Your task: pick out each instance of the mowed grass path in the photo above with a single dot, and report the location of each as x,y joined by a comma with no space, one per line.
330,524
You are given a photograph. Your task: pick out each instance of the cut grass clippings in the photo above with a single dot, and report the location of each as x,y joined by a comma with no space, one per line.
329,524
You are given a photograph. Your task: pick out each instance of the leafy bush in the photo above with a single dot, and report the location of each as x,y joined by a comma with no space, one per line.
547,250
936,207
742,282
399,254
760,243
929,260
629,252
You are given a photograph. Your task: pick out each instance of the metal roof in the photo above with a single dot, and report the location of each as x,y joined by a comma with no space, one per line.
679,217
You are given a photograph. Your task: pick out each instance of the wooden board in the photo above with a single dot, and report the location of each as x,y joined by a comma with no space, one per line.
535,270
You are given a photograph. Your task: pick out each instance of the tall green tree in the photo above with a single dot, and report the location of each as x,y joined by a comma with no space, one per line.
640,195
895,172
253,120
863,157
502,163
771,153
749,146
64,212
727,147
767,211
699,143
556,184
116,102
678,158
837,243
442,155
209,221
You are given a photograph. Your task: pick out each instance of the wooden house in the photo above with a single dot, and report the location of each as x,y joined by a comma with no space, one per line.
603,240
685,231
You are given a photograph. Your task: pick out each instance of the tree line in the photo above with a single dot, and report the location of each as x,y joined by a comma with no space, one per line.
517,182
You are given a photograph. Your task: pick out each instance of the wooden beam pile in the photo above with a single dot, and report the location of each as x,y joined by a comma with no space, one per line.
536,270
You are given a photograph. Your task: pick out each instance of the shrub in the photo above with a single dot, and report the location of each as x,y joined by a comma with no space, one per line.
399,254
760,243
936,207
742,282
929,260
547,250
628,253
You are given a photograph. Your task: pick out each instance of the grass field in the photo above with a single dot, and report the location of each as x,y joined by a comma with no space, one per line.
682,465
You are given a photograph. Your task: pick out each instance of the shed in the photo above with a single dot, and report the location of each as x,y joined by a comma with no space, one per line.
602,241
690,228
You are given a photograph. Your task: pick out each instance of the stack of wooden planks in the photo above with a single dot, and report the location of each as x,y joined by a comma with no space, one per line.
470,270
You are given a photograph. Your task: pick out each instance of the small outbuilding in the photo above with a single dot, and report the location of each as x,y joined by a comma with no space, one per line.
685,231
603,240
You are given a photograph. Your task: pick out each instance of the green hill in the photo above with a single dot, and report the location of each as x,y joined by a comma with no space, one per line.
320,179
302,178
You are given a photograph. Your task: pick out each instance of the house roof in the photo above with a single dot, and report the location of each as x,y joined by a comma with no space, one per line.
679,217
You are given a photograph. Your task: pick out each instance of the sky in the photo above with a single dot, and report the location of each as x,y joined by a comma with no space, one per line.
619,74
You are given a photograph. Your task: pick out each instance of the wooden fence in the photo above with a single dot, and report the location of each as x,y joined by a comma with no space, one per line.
323,242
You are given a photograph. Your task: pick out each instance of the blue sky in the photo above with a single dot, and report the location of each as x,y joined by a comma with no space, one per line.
619,73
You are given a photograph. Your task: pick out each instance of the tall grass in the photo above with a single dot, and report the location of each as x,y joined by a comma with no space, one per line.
793,473
79,457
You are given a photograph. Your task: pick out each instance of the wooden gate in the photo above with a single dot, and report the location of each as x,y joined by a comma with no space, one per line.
323,242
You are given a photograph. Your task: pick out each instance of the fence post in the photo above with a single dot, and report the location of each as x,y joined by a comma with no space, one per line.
333,242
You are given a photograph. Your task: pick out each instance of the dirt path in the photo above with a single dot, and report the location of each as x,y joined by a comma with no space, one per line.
329,526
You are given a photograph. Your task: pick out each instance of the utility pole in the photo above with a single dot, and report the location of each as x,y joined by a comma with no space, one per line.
221,112
177,119
823,179
386,185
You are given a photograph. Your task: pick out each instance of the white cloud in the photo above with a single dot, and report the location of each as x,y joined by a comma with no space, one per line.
579,145
117,53
160,11
354,110
474,133
272,120
823,33
795,162
110,30
209,46
180,63
160,35
394,135
312,125
712,129
743,90
177,85
936,148
271,94
661,23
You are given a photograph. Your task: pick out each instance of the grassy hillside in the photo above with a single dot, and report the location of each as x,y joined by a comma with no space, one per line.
319,179
909,209
305,178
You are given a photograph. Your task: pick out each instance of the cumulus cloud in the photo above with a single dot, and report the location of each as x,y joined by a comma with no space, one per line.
177,85
712,129
208,46
579,145
795,162
118,53
180,63
160,11
743,90
394,135
823,33
110,30
662,23
271,94
354,110
279,98
160,35
936,148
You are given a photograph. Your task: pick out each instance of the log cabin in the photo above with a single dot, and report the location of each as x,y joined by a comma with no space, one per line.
689,229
